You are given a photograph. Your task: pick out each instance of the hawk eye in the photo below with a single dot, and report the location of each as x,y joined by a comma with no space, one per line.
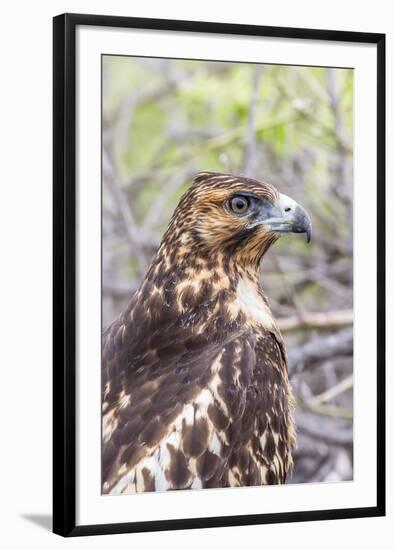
239,204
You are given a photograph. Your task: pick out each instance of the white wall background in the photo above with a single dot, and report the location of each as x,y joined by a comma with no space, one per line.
25,272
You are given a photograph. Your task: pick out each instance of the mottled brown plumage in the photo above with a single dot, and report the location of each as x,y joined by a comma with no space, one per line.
195,381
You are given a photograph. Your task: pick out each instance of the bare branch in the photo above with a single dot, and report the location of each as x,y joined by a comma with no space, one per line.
289,291
250,159
344,385
330,319
125,212
172,185
327,410
321,348
333,432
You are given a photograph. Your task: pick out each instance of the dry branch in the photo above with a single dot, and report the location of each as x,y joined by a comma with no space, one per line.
250,160
327,410
334,391
126,214
330,319
321,348
333,431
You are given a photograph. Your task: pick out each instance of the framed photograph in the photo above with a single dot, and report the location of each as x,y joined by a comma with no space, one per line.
219,274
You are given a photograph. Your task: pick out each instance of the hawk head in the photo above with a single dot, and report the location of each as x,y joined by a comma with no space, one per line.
236,216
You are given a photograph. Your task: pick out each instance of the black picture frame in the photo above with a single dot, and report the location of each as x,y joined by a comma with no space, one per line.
64,272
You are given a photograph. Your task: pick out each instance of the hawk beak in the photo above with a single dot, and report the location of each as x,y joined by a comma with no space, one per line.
286,216
301,222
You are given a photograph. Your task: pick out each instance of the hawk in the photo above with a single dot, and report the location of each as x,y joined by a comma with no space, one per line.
195,381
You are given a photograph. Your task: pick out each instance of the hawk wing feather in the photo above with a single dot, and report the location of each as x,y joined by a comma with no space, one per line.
180,403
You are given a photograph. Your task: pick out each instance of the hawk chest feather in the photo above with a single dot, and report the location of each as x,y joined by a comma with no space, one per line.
199,409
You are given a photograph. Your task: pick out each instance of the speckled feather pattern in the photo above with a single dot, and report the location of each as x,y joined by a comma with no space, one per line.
194,371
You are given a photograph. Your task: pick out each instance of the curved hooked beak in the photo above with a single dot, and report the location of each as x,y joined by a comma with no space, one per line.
285,216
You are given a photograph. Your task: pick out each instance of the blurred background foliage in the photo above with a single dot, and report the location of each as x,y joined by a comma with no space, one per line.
165,120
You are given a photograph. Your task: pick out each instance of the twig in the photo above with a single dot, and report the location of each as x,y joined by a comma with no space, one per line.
322,348
341,176
341,387
250,159
327,410
290,290
307,112
330,319
125,212
227,138
172,185
333,434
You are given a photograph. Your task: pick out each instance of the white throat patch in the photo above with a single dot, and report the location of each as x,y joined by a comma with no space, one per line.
253,303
